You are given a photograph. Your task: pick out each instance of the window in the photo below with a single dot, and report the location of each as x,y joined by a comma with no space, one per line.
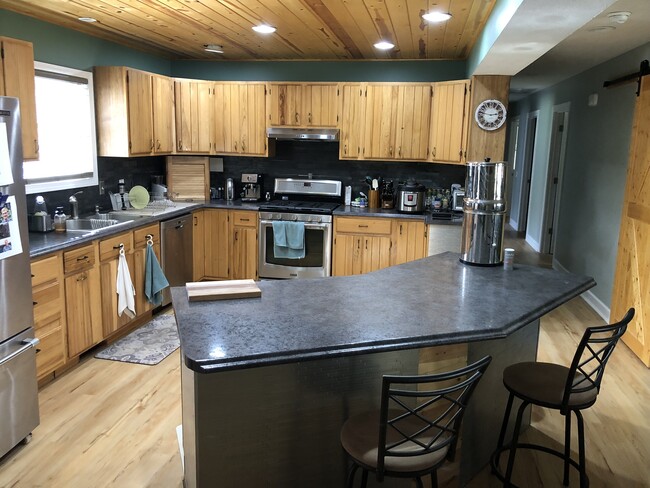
66,130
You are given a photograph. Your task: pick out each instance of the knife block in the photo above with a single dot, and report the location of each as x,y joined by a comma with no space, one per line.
373,198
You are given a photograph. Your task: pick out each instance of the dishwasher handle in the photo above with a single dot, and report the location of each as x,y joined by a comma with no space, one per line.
26,344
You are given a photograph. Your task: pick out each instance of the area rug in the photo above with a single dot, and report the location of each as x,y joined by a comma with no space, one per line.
148,344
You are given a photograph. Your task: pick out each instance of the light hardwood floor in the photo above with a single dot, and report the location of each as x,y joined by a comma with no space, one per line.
108,424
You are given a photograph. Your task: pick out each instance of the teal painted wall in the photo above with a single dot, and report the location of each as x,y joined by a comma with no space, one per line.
406,71
66,47
595,171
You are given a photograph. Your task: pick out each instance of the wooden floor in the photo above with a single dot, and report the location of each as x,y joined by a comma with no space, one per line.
108,424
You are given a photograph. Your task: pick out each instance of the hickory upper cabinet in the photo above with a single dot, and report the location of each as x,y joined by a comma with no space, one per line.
240,120
195,113
449,121
17,80
386,121
134,112
302,104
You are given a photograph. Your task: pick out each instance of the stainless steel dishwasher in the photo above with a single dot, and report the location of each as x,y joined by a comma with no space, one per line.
176,252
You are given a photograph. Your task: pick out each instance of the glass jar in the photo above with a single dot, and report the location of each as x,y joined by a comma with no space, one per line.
59,220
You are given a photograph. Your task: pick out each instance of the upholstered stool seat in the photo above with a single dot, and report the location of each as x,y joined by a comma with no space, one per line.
567,389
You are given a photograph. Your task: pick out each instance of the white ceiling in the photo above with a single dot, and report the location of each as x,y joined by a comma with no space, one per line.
548,41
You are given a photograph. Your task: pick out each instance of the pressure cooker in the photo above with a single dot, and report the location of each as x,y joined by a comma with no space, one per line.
410,197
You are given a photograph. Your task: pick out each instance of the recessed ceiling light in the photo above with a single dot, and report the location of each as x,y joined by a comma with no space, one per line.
90,20
619,17
384,45
264,29
436,16
213,48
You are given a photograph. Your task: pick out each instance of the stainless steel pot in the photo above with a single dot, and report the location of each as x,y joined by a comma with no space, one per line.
410,197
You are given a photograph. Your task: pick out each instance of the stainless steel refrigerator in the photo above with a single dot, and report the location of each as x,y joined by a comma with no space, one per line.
18,386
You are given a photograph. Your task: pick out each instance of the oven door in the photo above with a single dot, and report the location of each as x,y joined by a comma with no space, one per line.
318,253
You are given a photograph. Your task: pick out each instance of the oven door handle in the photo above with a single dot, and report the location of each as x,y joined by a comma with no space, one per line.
308,225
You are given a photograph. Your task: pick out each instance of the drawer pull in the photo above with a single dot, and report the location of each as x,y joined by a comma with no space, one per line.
363,226
83,258
34,303
245,220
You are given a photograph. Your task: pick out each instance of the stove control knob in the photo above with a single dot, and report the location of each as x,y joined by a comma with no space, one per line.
294,217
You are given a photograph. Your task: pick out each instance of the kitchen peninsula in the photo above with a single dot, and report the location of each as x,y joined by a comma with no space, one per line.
267,382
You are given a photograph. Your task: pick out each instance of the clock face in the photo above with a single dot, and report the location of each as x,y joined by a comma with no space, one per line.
490,114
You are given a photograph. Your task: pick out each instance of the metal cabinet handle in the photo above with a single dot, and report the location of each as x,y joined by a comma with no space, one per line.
235,146
309,117
235,235
399,151
82,277
297,118
82,258
158,148
245,220
196,221
243,146
400,229
27,343
433,153
36,146
345,148
363,225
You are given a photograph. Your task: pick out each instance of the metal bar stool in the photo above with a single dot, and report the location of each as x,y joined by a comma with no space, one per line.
416,428
560,388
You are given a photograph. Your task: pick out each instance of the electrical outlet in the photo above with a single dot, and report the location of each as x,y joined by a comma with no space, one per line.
101,187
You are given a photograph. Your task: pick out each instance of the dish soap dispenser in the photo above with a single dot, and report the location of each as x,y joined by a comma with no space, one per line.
59,220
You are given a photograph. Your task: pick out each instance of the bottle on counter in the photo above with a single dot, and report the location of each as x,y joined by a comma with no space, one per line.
59,220
40,208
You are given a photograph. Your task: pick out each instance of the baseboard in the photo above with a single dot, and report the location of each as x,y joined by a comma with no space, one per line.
514,224
592,300
533,243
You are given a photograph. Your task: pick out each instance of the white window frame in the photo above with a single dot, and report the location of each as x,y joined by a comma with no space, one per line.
68,183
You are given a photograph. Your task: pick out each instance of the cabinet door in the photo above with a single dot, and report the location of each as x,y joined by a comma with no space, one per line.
231,123
380,121
449,120
252,110
163,114
320,105
18,80
194,116
346,255
409,241
352,118
216,244
244,253
285,105
140,112
142,305
109,250
198,245
413,112
83,310
375,253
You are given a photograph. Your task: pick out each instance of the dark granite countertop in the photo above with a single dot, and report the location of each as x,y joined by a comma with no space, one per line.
432,301
349,211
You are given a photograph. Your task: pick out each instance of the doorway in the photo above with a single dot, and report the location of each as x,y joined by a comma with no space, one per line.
513,140
554,178
529,156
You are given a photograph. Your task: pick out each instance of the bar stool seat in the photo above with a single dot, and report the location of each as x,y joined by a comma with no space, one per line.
567,389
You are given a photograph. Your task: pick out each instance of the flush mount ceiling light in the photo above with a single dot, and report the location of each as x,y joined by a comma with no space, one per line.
436,16
619,17
213,48
602,28
264,29
384,45
89,20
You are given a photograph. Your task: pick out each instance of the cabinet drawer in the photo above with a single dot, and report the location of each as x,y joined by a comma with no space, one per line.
45,270
363,226
140,235
51,354
47,301
109,248
80,258
245,219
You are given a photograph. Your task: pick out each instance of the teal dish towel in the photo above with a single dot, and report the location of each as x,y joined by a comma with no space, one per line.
154,278
289,240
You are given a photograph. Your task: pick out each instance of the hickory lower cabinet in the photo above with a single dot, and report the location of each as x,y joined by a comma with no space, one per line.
229,244
49,314
83,298
109,255
143,238
362,245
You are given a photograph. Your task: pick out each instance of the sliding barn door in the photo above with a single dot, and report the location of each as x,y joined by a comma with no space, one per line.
632,279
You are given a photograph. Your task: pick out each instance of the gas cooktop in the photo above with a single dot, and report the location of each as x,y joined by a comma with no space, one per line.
299,206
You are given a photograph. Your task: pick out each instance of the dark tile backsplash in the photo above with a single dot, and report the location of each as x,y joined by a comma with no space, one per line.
292,159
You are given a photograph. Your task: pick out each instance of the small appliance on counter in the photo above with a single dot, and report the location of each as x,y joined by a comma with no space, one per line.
410,197
230,189
387,194
252,191
40,220
158,187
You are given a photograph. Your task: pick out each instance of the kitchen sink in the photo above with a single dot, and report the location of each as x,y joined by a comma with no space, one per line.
93,225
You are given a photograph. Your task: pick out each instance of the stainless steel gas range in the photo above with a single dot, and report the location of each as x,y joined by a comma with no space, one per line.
308,204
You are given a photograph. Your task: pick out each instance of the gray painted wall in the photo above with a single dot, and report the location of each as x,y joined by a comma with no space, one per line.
591,193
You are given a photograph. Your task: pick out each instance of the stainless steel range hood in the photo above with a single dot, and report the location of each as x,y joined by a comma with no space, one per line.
297,134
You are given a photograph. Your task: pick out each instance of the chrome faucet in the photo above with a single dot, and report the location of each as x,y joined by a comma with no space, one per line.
74,205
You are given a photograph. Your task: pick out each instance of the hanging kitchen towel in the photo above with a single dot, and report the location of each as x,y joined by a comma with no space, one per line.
289,240
125,290
154,279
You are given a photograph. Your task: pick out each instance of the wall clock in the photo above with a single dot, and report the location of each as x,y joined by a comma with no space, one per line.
490,114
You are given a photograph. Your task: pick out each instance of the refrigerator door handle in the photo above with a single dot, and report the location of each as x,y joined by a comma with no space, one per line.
27,344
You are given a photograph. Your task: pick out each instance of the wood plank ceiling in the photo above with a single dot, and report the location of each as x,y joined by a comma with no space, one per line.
306,29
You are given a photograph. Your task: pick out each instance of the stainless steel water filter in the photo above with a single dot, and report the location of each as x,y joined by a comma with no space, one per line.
484,207
230,189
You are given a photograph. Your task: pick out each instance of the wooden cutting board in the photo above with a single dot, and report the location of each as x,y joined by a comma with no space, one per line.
222,290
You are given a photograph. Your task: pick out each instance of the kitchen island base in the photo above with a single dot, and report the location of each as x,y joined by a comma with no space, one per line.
278,425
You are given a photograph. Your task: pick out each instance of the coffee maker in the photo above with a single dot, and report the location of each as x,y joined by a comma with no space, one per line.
252,184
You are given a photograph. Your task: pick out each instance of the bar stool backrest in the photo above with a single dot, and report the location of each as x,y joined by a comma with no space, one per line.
424,412
588,365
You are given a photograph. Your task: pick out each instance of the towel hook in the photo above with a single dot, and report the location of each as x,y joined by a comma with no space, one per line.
121,249
149,240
